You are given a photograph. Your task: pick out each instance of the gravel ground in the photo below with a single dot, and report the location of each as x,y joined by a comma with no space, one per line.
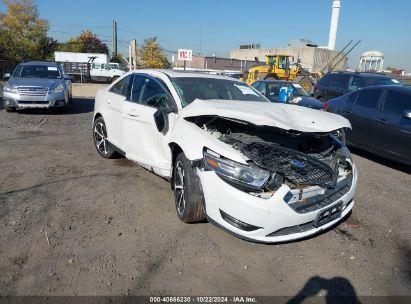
73,223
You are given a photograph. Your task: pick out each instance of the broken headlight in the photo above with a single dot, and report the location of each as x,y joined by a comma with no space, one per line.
251,177
342,152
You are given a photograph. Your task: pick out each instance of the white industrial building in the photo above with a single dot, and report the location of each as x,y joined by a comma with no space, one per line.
311,57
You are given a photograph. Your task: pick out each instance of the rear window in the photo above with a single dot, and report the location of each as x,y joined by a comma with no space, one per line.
340,81
325,81
368,98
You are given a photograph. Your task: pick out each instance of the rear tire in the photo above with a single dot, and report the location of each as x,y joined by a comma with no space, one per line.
188,195
101,143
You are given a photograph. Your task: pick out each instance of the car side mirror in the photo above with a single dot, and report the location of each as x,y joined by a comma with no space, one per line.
7,76
406,114
161,120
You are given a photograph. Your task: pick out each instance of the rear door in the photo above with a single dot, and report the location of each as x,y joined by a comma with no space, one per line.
361,110
393,129
322,86
116,97
144,143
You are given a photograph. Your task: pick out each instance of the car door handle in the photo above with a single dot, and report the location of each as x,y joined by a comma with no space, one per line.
348,111
132,113
381,121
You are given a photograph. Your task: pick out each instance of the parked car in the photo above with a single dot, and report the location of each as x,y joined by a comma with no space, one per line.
265,172
271,90
381,120
336,84
37,84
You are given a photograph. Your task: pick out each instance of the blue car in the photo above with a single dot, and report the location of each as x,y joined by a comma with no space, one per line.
271,90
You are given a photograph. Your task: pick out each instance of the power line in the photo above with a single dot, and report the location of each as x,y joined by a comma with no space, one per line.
179,44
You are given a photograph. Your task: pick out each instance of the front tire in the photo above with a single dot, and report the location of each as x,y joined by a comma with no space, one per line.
187,192
101,143
10,109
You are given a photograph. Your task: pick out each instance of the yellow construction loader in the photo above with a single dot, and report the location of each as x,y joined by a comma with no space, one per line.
278,67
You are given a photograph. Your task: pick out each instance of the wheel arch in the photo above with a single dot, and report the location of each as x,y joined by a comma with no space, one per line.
97,115
175,150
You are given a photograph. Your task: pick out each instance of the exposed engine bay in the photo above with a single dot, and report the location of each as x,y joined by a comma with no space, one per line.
294,158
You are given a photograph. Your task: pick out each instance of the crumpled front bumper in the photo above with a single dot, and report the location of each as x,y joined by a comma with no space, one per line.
50,100
274,219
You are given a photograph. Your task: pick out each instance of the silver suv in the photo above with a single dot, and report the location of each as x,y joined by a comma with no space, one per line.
37,84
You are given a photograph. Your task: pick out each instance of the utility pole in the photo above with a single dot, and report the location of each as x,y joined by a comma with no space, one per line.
134,53
130,60
114,39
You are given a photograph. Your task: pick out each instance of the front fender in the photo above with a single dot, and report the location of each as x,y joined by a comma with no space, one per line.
192,139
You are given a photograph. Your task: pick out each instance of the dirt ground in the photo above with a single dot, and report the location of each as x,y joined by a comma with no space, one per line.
72,223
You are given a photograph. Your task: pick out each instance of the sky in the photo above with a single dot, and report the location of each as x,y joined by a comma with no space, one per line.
217,26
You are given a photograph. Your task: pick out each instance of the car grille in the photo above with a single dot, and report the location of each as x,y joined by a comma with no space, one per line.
32,91
299,228
33,102
298,168
322,200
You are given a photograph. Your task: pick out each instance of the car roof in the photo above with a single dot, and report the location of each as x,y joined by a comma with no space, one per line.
366,74
180,74
402,88
274,81
41,63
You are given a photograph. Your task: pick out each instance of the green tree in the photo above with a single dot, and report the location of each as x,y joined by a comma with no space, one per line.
152,56
23,35
86,42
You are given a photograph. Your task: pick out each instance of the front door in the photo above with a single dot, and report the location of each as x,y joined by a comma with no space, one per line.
361,110
115,103
144,143
393,129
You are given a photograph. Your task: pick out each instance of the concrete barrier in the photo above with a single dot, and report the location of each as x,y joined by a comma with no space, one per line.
86,89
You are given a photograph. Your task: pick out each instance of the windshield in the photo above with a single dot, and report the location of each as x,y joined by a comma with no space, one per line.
274,89
37,71
384,81
191,88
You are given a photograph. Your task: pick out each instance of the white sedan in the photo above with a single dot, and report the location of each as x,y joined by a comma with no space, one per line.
262,171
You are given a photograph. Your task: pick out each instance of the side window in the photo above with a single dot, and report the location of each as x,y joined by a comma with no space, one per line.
340,81
95,65
153,95
121,87
355,83
274,89
397,102
325,80
138,85
352,97
368,98
260,87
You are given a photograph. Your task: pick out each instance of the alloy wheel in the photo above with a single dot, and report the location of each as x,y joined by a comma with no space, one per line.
179,188
100,138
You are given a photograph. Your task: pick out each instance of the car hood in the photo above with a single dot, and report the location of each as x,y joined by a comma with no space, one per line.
283,116
33,82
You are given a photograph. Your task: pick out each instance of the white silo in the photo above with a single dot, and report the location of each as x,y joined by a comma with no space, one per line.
371,61
334,24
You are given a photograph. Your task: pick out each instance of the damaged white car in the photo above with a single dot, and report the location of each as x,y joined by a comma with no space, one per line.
262,171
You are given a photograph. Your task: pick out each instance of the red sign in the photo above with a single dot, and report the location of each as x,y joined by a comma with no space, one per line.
186,55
